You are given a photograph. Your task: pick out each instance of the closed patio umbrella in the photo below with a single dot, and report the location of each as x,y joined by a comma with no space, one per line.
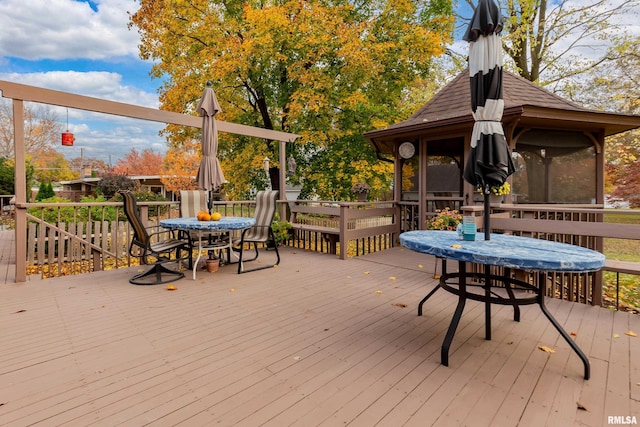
210,176
489,163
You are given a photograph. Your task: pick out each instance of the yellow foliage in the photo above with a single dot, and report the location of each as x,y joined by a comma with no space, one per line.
323,70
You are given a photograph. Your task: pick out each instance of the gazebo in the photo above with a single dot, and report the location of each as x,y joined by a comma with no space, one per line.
558,147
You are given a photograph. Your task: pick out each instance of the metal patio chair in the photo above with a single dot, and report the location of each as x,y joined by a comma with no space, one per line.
146,245
261,232
192,202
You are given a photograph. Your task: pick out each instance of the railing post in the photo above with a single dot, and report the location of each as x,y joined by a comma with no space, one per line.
21,190
343,221
144,215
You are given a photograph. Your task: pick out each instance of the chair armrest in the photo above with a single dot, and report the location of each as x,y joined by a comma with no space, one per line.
163,231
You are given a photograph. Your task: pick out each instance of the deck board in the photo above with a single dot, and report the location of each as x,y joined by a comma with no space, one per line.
315,341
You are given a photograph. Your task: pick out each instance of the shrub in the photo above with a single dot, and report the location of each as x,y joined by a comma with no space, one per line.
281,230
110,185
53,215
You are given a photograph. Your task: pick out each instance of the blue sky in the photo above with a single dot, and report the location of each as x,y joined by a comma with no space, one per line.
86,47
82,47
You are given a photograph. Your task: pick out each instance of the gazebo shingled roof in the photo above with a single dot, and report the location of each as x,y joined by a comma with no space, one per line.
525,103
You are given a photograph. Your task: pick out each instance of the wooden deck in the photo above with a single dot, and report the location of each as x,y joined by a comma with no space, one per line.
314,342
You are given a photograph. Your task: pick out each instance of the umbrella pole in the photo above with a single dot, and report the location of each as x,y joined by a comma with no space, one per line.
487,210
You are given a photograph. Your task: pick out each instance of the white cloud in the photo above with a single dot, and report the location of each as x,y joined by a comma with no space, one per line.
101,136
98,84
66,29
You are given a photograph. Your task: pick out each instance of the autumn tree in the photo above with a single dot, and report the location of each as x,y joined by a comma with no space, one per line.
616,87
41,128
139,163
51,165
181,166
327,70
98,167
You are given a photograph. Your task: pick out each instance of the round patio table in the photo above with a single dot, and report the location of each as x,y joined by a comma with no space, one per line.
226,223
506,251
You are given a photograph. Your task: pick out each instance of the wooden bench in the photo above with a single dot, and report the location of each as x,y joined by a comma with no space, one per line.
331,235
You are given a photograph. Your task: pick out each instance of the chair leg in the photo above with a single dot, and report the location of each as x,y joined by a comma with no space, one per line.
255,245
156,272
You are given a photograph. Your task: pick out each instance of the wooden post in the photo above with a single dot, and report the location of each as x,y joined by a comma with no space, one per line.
283,181
21,190
344,221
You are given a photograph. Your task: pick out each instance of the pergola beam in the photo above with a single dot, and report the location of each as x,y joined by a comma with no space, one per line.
20,93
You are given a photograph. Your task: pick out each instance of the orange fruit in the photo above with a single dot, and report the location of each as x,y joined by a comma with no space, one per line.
216,216
206,216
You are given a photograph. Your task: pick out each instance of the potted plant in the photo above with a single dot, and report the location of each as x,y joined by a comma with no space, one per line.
281,230
446,219
497,192
361,189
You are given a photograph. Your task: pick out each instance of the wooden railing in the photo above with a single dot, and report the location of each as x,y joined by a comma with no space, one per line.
574,225
74,238
101,239
344,228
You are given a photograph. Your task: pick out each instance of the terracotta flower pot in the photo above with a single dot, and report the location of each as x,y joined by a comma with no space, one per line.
212,265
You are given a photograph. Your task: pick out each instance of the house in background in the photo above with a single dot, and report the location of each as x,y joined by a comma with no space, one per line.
75,189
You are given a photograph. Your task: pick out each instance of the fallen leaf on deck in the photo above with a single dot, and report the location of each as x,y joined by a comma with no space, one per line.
419,265
378,292
392,278
546,349
436,276
631,334
232,290
365,272
171,288
581,406
573,334
401,305
21,311
616,335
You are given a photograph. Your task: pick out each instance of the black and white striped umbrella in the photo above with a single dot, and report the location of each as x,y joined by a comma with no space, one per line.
489,163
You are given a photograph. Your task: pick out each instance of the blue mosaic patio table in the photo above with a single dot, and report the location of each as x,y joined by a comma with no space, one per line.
508,252
226,223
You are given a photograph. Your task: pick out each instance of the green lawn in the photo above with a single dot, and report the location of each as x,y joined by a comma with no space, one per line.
624,250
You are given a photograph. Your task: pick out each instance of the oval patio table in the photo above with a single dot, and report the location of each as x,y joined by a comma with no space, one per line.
505,251
226,223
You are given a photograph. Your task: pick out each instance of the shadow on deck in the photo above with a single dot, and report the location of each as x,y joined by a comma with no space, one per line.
315,341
